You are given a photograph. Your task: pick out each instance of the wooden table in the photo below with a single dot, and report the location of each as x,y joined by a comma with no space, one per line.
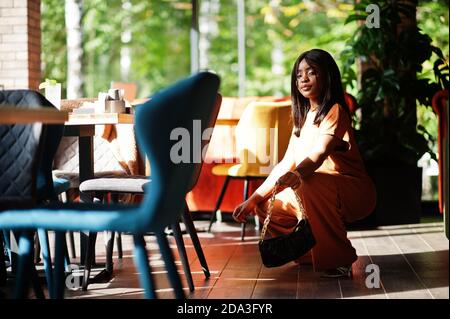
80,125
99,119
14,115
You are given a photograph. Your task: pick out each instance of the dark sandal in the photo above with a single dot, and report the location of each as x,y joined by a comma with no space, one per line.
339,272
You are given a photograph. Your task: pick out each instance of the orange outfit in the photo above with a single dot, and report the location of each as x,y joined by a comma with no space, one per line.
338,191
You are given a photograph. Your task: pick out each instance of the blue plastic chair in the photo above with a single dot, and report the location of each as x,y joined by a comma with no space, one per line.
174,107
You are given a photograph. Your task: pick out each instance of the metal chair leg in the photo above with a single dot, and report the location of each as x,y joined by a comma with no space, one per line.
90,253
46,255
119,245
170,265
115,199
143,266
246,182
66,257
7,241
59,275
37,249
190,227
73,252
183,255
84,236
38,292
3,274
219,202
109,250
12,244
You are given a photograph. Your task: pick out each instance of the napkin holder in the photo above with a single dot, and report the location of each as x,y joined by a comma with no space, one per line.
115,106
113,101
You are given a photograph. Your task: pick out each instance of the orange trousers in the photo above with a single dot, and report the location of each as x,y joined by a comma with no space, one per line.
329,200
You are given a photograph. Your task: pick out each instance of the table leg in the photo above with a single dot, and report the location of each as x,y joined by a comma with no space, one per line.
86,162
86,166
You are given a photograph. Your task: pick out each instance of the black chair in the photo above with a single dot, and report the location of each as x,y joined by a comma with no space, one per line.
21,148
47,187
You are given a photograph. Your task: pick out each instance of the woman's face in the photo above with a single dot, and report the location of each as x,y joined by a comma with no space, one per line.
307,81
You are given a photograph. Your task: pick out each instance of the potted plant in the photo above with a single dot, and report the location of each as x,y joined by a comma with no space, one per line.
390,57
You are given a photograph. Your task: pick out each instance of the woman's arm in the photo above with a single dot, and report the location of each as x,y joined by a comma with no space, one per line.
325,145
286,164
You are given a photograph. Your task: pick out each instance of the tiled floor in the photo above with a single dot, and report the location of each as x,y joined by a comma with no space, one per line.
412,261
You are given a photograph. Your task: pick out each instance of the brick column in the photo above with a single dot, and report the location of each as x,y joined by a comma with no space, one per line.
20,44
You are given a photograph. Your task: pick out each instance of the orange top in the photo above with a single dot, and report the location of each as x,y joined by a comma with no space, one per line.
336,123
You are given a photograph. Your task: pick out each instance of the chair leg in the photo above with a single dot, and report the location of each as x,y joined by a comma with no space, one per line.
219,202
84,236
90,253
143,266
84,243
66,258
243,231
26,270
119,245
39,293
109,250
73,252
3,274
7,241
37,250
59,276
190,227
25,263
115,199
12,244
170,265
183,255
246,182
46,255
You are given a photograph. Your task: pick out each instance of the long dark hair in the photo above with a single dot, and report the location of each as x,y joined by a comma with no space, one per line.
329,79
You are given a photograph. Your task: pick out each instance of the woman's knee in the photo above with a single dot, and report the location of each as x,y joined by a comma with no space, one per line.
317,178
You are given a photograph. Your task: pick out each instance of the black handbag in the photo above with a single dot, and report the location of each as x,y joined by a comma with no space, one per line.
280,250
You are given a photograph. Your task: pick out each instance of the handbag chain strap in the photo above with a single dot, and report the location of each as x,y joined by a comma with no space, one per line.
269,213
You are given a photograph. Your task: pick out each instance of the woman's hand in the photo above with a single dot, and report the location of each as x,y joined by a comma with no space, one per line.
290,179
243,210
